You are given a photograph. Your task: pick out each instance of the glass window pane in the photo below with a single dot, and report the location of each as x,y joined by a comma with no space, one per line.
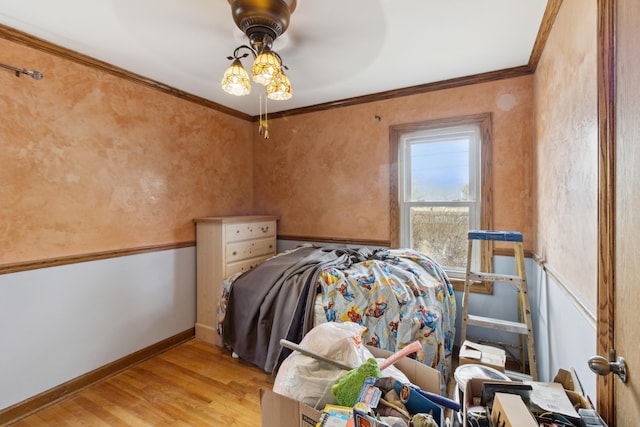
439,170
441,233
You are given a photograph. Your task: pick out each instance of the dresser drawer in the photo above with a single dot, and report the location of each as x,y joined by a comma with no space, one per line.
242,266
251,230
249,249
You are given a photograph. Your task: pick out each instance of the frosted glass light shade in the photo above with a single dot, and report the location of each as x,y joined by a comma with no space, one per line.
265,67
236,80
280,88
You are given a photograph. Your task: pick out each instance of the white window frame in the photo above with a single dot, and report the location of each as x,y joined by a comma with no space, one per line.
470,132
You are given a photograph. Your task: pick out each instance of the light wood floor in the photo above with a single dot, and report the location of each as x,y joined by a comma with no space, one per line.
193,384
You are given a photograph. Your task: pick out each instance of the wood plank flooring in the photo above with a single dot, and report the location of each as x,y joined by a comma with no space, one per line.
192,384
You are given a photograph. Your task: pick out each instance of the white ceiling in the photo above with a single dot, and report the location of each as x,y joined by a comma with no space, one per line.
334,49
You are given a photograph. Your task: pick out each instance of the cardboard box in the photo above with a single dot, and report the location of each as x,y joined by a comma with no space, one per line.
473,393
493,357
282,411
572,387
509,410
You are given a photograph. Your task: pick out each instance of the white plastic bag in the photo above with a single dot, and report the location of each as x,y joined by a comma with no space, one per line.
309,380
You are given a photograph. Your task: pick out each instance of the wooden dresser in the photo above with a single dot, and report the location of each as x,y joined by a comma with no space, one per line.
224,246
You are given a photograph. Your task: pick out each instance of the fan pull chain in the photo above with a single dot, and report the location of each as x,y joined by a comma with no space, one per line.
260,128
266,123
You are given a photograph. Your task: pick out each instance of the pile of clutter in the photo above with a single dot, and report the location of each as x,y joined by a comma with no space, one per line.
334,372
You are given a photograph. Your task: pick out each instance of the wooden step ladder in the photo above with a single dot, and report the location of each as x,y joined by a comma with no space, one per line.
523,326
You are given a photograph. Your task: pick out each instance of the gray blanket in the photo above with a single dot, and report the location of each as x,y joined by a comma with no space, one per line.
275,300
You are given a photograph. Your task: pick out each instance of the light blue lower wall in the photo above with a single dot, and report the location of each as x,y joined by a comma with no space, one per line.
61,322
569,337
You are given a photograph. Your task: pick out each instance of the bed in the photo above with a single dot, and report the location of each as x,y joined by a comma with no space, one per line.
399,295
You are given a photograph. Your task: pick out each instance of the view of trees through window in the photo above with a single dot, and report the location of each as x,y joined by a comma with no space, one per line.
441,233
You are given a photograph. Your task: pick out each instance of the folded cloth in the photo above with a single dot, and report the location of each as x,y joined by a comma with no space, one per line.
391,406
423,420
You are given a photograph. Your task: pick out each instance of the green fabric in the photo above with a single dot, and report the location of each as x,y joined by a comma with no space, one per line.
347,388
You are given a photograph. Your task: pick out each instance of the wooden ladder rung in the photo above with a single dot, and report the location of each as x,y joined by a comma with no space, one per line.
490,277
498,324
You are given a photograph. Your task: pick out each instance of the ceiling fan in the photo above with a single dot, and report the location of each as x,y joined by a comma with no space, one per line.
184,44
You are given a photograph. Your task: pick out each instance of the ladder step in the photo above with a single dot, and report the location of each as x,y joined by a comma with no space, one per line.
490,277
502,325
503,236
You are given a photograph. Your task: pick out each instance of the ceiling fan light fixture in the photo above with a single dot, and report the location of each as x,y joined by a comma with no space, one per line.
265,67
280,88
236,79
262,21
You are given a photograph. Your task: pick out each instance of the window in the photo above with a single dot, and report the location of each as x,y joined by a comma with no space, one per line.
441,172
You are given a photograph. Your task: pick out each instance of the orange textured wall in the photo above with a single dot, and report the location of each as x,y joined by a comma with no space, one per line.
326,174
90,162
566,183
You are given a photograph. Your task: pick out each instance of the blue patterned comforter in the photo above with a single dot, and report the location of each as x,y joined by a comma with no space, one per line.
399,295
402,297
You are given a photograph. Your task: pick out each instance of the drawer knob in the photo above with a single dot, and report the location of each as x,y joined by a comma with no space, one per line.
234,253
